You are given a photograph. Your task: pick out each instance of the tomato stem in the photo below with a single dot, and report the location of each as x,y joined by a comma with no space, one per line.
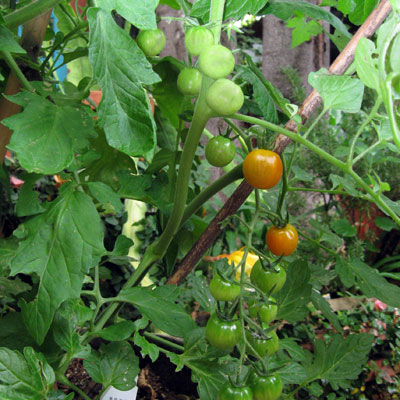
216,18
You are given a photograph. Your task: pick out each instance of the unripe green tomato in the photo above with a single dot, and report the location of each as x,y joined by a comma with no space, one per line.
189,81
223,290
263,346
223,335
197,38
224,97
151,41
265,387
266,280
220,151
267,312
216,61
229,392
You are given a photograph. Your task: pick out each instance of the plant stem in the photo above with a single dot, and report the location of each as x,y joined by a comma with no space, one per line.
216,18
9,59
316,243
75,388
365,152
236,129
314,123
328,191
360,130
30,11
210,191
163,341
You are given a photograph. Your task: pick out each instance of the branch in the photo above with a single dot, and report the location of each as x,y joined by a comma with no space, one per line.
339,66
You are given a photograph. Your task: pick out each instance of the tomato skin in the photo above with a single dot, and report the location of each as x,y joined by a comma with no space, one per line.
220,151
216,61
282,241
267,312
223,290
266,280
197,38
151,41
262,168
265,387
224,97
221,334
229,392
189,81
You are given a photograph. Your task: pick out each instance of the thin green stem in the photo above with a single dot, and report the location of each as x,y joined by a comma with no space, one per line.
216,18
9,59
30,11
365,152
316,243
163,341
75,388
236,129
328,191
314,123
210,191
360,130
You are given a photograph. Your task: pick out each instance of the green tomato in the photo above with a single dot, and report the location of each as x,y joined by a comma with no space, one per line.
151,41
263,346
220,151
224,97
265,387
267,280
223,290
229,392
189,81
197,38
216,61
222,334
267,312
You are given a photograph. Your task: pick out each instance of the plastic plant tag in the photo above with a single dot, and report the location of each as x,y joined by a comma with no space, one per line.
114,394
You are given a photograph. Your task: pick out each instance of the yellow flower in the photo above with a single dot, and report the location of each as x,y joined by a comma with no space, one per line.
237,256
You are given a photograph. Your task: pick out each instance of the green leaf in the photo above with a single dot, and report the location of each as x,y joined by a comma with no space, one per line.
142,15
321,304
395,54
117,332
122,246
22,377
8,42
343,227
293,298
157,306
114,364
385,223
172,3
13,332
235,9
302,30
340,360
373,284
347,184
337,92
8,249
147,349
284,9
346,6
12,287
366,66
302,175
61,246
105,195
343,268
60,395
28,199
45,135
121,68
361,11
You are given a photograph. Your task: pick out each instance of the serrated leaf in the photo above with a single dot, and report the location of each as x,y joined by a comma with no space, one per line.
321,304
366,66
122,246
347,184
28,199
117,332
296,292
385,223
8,42
343,227
12,287
45,135
361,11
105,195
121,68
303,30
23,377
61,246
147,349
13,332
158,307
8,249
142,15
114,364
346,275
337,92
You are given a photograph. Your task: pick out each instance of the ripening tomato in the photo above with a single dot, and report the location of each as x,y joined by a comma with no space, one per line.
224,97
282,241
262,168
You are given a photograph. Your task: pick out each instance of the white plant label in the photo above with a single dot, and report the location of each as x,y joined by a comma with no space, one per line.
114,394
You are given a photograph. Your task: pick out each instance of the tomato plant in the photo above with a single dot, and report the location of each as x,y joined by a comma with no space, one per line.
265,387
151,41
224,97
216,61
220,151
223,334
189,81
262,168
282,241
197,38
223,290
267,280
230,392
266,312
